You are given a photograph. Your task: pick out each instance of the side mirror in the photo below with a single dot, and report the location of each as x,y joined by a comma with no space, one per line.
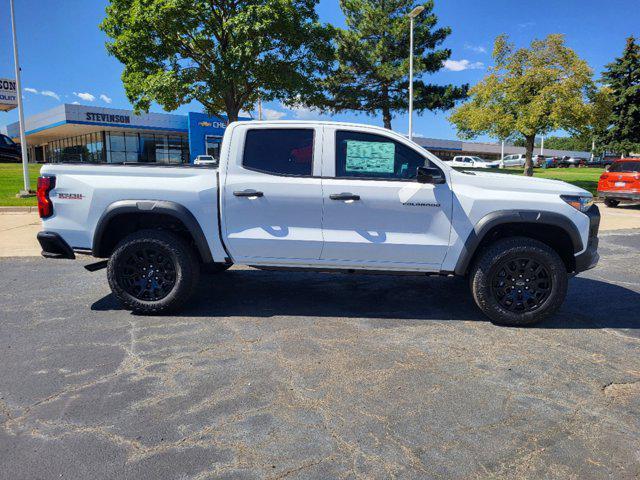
430,175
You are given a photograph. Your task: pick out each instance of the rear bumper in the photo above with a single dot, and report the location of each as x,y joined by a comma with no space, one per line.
620,195
53,246
589,258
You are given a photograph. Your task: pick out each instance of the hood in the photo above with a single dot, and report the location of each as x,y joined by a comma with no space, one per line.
506,181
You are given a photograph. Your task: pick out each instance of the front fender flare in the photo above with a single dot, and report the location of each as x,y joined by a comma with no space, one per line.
502,217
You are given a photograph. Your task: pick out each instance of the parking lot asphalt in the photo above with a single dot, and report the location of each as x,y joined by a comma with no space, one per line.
303,375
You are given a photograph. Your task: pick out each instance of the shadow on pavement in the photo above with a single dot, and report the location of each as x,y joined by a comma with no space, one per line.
254,293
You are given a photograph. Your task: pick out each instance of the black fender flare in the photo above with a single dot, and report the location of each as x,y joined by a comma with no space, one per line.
142,207
502,217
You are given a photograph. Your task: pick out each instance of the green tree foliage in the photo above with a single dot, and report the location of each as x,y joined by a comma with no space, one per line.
224,54
373,60
622,77
528,92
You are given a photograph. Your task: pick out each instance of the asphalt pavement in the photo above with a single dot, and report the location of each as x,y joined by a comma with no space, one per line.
305,375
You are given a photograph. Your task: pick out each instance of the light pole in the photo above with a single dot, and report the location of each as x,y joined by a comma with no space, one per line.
413,14
24,150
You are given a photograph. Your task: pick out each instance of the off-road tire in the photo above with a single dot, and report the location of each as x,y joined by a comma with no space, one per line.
183,270
610,202
484,280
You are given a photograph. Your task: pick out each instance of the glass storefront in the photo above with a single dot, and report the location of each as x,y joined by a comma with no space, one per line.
120,147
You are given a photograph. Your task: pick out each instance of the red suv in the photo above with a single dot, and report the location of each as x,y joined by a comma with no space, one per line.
621,182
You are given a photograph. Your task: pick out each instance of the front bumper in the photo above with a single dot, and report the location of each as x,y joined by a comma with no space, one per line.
589,258
619,195
54,246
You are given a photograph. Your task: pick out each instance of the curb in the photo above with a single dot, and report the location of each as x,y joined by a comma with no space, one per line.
30,209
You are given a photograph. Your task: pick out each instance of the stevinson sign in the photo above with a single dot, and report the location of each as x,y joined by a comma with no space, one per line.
8,94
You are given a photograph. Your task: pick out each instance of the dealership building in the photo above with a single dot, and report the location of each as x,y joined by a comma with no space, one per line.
80,133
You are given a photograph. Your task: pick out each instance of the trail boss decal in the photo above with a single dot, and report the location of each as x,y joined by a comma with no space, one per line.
70,196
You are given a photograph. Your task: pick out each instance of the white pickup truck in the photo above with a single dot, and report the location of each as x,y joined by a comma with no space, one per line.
321,196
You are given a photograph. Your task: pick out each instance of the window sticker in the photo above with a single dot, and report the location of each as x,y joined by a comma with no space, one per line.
370,157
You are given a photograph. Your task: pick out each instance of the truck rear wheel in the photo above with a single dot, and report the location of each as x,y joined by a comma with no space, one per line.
610,202
518,281
153,271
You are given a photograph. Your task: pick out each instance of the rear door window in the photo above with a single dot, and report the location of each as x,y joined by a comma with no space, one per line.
279,151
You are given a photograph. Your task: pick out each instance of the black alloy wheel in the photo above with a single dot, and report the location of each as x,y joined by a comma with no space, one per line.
521,284
147,273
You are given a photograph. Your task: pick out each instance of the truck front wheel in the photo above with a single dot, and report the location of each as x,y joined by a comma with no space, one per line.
518,281
153,271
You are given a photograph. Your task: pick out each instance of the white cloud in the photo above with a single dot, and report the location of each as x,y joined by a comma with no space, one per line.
475,48
49,93
105,99
271,114
460,65
75,103
301,112
46,93
87,97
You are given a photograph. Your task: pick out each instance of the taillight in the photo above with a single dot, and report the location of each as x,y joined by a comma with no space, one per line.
45,185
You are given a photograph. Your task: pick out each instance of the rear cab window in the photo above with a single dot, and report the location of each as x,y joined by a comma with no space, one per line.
370,156
629,167
279,151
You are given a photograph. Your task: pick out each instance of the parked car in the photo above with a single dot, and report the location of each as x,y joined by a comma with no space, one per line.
566,162
468,161
548,162
516,160
369,200
9,150
621,183
206,160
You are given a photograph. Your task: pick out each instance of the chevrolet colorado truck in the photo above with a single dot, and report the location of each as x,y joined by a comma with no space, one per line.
321,196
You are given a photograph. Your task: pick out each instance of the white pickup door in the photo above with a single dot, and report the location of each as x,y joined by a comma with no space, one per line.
330,195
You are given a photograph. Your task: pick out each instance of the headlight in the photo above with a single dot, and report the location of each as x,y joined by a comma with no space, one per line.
579,202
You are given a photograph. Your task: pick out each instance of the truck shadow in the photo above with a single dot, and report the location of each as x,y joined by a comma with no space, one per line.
254,293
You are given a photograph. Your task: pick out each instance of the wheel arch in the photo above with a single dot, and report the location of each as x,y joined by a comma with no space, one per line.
551,228
127,216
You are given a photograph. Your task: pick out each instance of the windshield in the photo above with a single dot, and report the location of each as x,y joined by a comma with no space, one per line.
625,167
205,157
477,159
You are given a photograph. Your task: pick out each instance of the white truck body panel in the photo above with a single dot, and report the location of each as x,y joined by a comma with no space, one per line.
396,225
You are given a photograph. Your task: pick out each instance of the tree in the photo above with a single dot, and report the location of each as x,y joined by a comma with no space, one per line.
622,77
373,60
528,92
224,54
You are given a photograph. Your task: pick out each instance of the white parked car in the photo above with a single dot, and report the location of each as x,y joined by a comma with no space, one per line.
205,160
321,196
516,160
467,161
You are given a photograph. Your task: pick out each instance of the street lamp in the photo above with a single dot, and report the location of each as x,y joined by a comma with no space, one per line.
24,151
413,14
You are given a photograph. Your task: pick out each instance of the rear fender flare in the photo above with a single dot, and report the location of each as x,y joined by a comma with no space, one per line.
142,207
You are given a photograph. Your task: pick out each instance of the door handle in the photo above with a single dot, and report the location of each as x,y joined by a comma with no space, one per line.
344,196
248,193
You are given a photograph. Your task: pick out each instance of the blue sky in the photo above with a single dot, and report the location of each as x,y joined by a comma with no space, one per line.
64,60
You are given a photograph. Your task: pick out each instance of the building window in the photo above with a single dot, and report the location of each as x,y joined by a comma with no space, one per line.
120,147
212,146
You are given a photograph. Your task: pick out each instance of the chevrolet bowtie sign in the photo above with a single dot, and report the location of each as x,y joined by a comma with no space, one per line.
8,94
212,124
